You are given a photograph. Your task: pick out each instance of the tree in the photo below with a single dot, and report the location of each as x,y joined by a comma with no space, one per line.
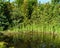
19,2
31,5
55,1
28,7
5,15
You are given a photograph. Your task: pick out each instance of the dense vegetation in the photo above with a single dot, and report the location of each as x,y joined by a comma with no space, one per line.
20,15
29,24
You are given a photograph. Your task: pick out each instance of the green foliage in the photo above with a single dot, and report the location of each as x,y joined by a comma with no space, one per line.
29,15
23,13
5,15
19,2
55,1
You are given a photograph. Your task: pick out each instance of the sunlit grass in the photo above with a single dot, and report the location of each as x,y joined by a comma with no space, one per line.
35,27
2,45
